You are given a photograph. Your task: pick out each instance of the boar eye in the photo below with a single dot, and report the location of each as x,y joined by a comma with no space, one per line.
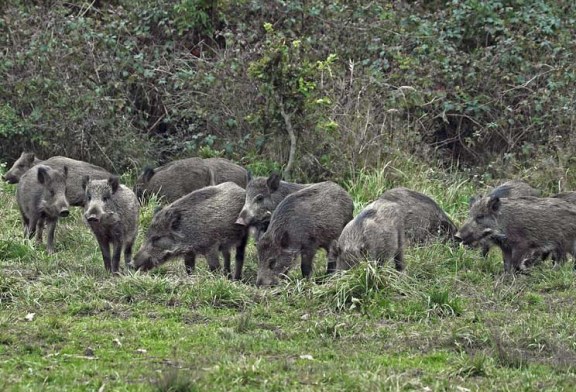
258,198
272,263
479,218
52,193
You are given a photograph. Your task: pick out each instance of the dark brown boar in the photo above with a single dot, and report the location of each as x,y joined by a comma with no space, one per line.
180,177
21,166
174,180
41,197
424,220
111,212
376,233
202,222
523,228
304,221
262,197
508,189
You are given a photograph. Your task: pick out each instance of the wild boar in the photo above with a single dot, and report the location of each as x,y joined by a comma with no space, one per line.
111,211
424,220
262,197
41,197
523,228
304,221
21,166
508,189
202,222
174,180
376,233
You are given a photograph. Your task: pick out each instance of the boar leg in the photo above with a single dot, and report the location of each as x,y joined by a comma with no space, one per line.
212,259
117,247
507,256
25,224
32,227
399,256
331,265
399,260
240,249
306,262
190,262
128,253
226,255
39,229
51,229
105,250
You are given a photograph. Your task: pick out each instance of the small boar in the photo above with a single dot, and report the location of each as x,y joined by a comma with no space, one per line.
508,189
523,228
225,170
21,166
41,197
424,220
304,221
376,233
262,197
111,211
202,222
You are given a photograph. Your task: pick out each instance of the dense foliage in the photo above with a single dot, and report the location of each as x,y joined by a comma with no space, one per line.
479,84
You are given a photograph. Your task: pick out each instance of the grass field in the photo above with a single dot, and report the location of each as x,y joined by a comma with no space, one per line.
453,321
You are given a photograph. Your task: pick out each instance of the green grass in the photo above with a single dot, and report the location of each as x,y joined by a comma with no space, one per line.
452,321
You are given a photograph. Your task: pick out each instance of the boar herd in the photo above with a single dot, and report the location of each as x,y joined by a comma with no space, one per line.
211,206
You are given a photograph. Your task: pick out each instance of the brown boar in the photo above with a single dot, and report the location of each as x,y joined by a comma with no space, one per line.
201,222
262,197
523,228
21,166
508,189
111,212
41,197
304,221
376,233
424,220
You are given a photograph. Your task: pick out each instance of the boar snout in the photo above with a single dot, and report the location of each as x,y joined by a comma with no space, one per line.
9,179
241,221
92,218
458,237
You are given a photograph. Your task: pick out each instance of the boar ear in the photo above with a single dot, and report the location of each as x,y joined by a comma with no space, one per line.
65,172
147,174
248,176
28,157
472,200
114,183
285,240
273,182
494,203
85,181
43,176
156,210
175,220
